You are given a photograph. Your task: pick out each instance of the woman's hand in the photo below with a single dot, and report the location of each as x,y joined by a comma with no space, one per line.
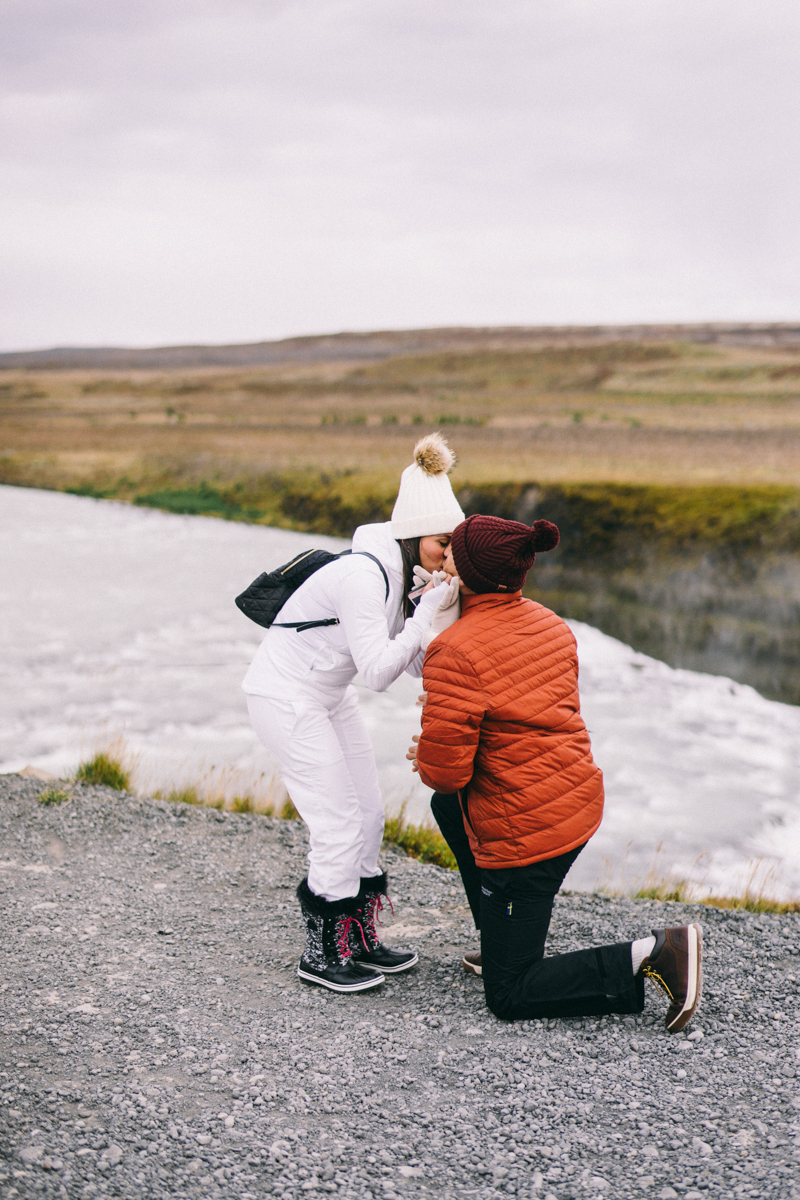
425,580
447,612
412,753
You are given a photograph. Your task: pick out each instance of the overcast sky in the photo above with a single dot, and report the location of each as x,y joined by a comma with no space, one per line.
232,170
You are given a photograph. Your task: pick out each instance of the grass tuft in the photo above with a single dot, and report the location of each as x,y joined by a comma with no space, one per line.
288,811
753,904
180,796
54,795
105,770
419,841
673,889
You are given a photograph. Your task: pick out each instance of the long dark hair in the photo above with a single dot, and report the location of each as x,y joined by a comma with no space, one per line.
409,549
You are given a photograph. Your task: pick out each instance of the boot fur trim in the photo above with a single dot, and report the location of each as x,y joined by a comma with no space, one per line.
375,883
322,907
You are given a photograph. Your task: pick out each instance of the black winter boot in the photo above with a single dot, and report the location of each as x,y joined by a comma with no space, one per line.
327,959
369,949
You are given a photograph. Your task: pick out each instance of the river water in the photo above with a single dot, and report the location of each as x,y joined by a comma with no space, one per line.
118,623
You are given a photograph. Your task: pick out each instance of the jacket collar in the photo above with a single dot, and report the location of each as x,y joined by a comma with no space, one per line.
488,600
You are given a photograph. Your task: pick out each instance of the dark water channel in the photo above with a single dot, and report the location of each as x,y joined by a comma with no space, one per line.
738,617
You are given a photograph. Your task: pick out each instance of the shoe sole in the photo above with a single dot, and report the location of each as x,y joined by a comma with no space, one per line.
412,962
471,968
340,987
694,982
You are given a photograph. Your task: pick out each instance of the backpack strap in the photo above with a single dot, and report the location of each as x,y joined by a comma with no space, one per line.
301,626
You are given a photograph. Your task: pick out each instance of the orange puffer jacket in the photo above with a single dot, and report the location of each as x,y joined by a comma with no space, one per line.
502,726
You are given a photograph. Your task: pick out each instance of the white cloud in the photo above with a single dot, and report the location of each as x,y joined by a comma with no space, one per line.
224,171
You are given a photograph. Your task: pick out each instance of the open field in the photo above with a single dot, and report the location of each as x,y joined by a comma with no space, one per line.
625,412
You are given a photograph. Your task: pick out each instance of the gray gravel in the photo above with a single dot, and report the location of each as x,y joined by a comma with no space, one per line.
156,1042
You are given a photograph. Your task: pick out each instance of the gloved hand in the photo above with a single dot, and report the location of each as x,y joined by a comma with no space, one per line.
447,611
422,578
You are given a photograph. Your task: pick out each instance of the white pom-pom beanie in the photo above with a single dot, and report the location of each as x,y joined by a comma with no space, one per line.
425,503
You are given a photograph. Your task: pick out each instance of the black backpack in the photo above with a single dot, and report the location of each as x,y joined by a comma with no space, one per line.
266,596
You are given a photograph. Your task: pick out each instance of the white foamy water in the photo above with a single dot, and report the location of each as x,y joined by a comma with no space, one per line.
119,621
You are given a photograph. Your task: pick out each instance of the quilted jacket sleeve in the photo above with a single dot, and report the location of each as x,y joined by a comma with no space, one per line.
451,719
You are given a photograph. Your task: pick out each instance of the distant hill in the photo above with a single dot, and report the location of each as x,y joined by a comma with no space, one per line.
356,347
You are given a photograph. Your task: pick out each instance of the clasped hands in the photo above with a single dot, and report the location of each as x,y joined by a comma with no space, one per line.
449,607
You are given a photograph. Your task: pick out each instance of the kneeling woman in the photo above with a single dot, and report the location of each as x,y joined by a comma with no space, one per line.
305,711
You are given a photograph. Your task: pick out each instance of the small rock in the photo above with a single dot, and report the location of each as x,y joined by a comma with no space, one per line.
203,1138
31,1155
680,1074
229,1122
38,773
598,1182
646,1181
112,1154
52,1164
667,1193
701,1147
650,1151
409,1172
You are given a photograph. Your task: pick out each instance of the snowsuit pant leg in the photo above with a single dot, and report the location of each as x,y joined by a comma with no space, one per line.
328,766
446,809
520,983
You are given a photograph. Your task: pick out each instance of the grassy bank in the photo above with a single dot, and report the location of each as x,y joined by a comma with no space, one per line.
601,523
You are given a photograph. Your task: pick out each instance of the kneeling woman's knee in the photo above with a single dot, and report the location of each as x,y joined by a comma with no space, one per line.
499,1001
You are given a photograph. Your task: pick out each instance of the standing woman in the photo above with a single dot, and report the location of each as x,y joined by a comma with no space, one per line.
305,711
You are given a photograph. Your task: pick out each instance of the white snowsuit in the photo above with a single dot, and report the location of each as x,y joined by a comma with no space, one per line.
305,710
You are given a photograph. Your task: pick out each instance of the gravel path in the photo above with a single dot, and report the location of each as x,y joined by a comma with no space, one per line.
154,1040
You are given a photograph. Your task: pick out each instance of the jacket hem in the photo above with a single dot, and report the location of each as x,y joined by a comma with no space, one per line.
493,864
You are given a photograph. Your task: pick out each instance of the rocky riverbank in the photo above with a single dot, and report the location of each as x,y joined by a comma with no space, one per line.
154,1039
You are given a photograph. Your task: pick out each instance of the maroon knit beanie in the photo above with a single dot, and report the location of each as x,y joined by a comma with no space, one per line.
493,555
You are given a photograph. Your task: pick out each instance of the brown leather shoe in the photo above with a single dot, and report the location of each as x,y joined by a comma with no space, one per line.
676,967
472,963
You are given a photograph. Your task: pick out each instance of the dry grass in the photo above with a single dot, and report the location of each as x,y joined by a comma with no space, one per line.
626,412
754,897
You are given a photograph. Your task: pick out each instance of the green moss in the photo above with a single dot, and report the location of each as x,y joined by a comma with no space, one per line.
419,841
89,489
104,770
202,500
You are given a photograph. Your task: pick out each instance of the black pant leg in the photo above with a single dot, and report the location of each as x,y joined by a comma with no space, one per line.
519,982
447,813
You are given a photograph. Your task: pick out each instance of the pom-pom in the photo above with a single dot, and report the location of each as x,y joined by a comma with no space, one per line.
433,455
544,536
